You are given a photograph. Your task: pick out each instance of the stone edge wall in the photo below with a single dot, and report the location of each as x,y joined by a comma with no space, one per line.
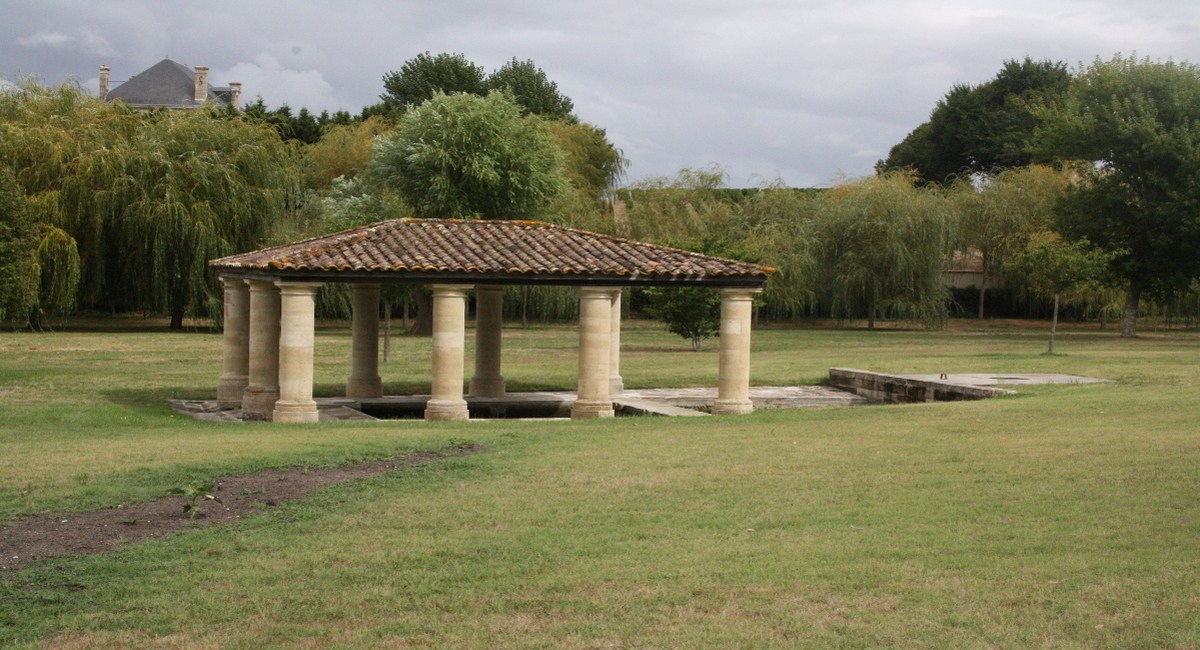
881,388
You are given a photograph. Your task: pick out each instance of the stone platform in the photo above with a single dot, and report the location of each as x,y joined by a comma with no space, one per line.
683,402
680,402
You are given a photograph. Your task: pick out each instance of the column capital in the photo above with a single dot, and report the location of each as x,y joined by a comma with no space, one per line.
591,291
739,293
451,290
294,288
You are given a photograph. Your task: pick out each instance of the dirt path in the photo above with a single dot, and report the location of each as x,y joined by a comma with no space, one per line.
38,537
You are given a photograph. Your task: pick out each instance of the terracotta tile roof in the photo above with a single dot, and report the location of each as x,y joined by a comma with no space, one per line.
528,250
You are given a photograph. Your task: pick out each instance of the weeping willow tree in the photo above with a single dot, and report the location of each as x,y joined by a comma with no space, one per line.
778,223
688,206
41,259
879,244
999,215
343,151
18,255
147,199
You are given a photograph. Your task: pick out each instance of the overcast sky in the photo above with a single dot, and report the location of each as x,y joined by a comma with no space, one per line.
806,91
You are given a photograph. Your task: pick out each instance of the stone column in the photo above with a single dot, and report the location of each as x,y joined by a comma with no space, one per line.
616,385
263,390
296,324
235,359
364,378
595,345
449,327
489,322
733,384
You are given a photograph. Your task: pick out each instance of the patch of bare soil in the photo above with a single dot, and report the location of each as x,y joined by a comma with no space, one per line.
47,535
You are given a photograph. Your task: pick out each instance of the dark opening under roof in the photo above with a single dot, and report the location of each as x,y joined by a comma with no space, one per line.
487,252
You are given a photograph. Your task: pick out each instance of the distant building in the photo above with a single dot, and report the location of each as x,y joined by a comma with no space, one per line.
168,84
964,270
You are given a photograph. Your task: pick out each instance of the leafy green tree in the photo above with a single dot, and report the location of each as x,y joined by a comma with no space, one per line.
529,86
1000,213
425,75
459,156
693,313
1051,266
981,129
878,250
1137,122
303,126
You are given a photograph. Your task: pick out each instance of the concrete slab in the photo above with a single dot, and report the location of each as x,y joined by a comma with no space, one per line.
637,406
1007,379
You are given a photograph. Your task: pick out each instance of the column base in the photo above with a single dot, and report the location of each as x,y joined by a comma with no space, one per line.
587,409
368,387
446,410
230,390
291,412
732,407
616,385
487,386
258,402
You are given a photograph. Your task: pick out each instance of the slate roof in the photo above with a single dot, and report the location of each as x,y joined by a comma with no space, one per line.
166,84
480,251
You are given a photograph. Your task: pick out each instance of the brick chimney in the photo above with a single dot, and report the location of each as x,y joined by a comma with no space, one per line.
235,94
103,81
201,83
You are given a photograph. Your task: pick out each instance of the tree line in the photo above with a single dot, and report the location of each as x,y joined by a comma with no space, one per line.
1069,184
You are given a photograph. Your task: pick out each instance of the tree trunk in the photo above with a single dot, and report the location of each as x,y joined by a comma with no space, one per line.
423,320
525,307
177,308
982,296
387,329
1129,317
1053,325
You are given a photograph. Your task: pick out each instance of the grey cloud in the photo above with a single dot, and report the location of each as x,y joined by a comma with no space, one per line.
807,90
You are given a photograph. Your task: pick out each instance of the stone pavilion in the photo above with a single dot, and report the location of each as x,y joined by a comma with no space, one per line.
267,367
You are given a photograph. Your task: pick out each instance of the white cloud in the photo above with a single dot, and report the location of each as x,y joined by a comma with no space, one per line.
278,84
46,39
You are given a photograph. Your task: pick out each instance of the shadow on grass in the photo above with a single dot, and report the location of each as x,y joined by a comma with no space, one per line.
157,397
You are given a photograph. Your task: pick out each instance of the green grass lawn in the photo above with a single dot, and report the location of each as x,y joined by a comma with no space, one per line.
1065,516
